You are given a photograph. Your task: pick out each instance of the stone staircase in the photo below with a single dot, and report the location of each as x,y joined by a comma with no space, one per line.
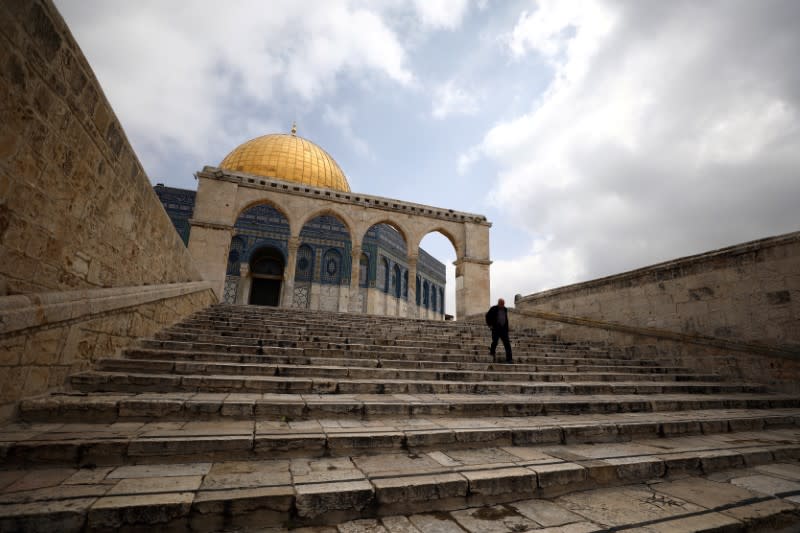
247,417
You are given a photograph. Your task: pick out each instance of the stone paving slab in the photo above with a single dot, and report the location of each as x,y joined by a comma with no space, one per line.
333,490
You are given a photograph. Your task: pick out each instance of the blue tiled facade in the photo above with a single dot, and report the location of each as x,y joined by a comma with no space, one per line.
324,255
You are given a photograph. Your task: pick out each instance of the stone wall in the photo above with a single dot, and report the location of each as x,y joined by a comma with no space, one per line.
748,292
77,210
753,363
88,258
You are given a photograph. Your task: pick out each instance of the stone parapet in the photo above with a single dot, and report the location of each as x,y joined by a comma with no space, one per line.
44,337
365,200
746,293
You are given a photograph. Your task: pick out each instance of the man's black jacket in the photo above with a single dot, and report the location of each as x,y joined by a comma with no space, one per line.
491,318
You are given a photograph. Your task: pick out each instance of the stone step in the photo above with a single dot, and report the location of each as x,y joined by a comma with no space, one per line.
224,495
760,498
159,406
285,326
98,381
386,371
385,352
289,326
296,357
318,341
82,443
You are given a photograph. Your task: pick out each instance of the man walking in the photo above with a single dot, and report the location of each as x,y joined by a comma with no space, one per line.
497,319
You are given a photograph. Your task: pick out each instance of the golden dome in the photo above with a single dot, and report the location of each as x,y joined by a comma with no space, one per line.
289,158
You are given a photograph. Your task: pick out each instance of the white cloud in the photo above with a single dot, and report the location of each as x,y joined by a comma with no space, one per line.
668,129
342,120
171,70
441,14
449,99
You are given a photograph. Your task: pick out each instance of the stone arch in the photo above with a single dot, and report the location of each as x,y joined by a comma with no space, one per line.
458,243
263,201
365,225
331,212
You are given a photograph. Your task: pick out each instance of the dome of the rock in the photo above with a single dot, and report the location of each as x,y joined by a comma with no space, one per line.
289,158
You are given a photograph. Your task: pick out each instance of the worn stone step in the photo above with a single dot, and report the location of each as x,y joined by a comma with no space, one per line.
389,352
385,371
97,381
292,357
82,443
742,500
316,341
159,406
285,328
217,495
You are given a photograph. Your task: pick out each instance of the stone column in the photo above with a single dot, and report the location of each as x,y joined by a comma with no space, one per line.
472,286
472,271
245,282
412,310
209,245
212,228
287,299
355,275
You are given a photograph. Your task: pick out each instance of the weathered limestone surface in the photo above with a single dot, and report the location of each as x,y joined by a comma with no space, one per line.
736,310
749,292
77,213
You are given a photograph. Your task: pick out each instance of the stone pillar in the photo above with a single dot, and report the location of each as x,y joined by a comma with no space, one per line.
412,309
212,228
245,282
287,298
355,275
472,272
472,286
209,245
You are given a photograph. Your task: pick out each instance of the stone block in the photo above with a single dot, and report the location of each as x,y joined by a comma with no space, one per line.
161,511
416,489
560,477
66,516
309,444
517,482
335,500
638,468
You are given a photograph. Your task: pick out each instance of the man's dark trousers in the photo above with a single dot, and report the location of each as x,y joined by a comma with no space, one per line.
501,334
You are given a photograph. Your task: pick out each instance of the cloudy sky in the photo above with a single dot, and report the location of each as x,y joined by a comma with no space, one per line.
598,137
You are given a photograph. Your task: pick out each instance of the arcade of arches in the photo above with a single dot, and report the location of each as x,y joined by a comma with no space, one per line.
329,248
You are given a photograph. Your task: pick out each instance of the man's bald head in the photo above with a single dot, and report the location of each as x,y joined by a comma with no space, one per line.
501,303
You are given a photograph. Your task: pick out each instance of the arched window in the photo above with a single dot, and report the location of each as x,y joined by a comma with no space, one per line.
304,268
441,300
331,267
405,284
425,294
419,293
386,274
397,281
433,297
363,270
